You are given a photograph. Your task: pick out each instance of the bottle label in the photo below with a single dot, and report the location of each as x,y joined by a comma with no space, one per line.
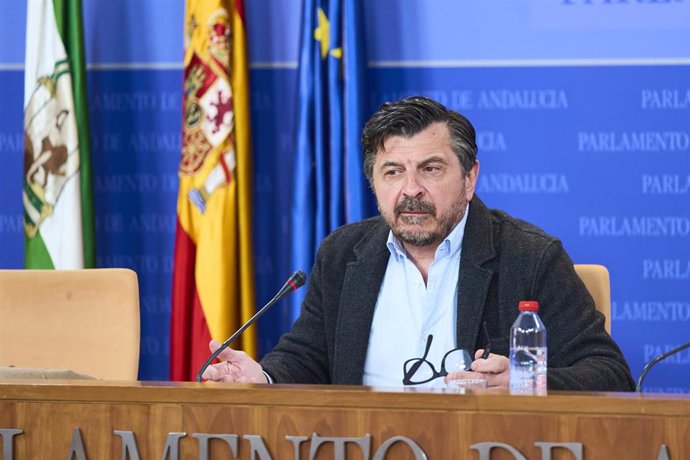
528,370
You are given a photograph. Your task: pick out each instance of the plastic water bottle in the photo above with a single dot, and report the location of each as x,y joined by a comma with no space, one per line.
528,351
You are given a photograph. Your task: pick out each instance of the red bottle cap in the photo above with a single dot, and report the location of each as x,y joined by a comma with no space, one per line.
528,305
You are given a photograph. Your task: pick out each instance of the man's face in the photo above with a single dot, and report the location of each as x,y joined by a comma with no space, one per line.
420,186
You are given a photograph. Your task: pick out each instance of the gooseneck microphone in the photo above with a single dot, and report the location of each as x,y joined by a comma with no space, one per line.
296,280
651,364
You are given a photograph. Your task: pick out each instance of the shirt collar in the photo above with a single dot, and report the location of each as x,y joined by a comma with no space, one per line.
449,246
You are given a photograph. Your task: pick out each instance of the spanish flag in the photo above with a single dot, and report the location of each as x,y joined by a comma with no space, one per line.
213,276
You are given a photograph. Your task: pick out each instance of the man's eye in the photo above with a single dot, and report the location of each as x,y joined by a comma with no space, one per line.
390,173
431,169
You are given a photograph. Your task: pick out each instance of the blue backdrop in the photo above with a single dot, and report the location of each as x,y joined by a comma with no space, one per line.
582,109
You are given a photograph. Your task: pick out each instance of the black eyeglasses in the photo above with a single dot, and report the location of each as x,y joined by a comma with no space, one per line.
418,370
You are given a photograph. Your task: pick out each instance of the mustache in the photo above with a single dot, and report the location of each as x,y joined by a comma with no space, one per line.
412,204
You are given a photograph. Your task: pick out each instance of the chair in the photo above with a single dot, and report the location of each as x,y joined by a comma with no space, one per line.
596,279
86,321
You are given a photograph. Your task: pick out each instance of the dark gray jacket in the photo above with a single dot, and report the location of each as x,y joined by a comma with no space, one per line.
504,260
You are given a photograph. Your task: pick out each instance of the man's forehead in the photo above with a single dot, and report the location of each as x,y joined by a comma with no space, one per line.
421,146
435,132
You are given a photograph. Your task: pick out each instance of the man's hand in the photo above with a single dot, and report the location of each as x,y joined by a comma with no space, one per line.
495,369
237,367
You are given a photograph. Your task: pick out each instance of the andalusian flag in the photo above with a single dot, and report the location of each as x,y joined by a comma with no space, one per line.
213,278
58,216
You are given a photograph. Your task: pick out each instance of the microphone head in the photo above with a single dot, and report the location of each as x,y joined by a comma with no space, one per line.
298,278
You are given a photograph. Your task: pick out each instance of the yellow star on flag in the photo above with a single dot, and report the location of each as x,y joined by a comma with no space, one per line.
322,34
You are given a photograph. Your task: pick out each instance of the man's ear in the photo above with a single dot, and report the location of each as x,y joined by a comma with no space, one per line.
471,181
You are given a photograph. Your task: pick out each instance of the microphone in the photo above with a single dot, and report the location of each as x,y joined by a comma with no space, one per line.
296,280
651,364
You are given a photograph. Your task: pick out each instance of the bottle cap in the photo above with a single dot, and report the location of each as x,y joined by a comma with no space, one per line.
528,305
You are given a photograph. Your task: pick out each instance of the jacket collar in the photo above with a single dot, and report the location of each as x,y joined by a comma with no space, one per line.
474,279
361,285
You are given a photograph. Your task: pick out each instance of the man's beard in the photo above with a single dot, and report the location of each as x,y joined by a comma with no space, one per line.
419,237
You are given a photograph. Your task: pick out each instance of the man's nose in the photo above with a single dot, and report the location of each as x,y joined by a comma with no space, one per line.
412,185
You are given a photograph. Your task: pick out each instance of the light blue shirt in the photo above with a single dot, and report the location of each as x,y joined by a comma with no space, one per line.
407,311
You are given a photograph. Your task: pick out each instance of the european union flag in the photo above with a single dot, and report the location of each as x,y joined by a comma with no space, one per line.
329,186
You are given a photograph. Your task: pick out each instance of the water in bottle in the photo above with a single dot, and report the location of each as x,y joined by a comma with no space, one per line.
528,351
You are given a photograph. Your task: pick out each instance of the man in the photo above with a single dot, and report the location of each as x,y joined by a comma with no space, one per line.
436,262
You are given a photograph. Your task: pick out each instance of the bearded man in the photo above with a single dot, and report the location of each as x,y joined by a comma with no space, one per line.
437,263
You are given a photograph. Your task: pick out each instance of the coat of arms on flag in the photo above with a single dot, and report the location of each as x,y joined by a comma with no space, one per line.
208,116
51,146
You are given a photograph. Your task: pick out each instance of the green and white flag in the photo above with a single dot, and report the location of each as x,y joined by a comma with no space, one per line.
58,209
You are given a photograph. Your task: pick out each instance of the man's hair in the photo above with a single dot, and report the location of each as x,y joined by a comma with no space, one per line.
410,116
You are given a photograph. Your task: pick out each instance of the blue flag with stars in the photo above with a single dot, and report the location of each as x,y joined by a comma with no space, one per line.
329,184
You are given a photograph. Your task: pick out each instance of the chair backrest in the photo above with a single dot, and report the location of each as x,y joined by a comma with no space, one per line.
596,279
83,320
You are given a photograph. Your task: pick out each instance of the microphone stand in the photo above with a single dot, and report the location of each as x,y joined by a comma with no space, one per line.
295,281
651,364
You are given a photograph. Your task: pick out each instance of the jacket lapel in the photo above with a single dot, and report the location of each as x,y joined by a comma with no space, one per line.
361,285
474,280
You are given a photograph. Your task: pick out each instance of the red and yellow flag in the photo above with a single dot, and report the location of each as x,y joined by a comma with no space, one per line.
213,277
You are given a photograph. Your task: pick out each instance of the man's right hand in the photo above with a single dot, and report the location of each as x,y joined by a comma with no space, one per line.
237,367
